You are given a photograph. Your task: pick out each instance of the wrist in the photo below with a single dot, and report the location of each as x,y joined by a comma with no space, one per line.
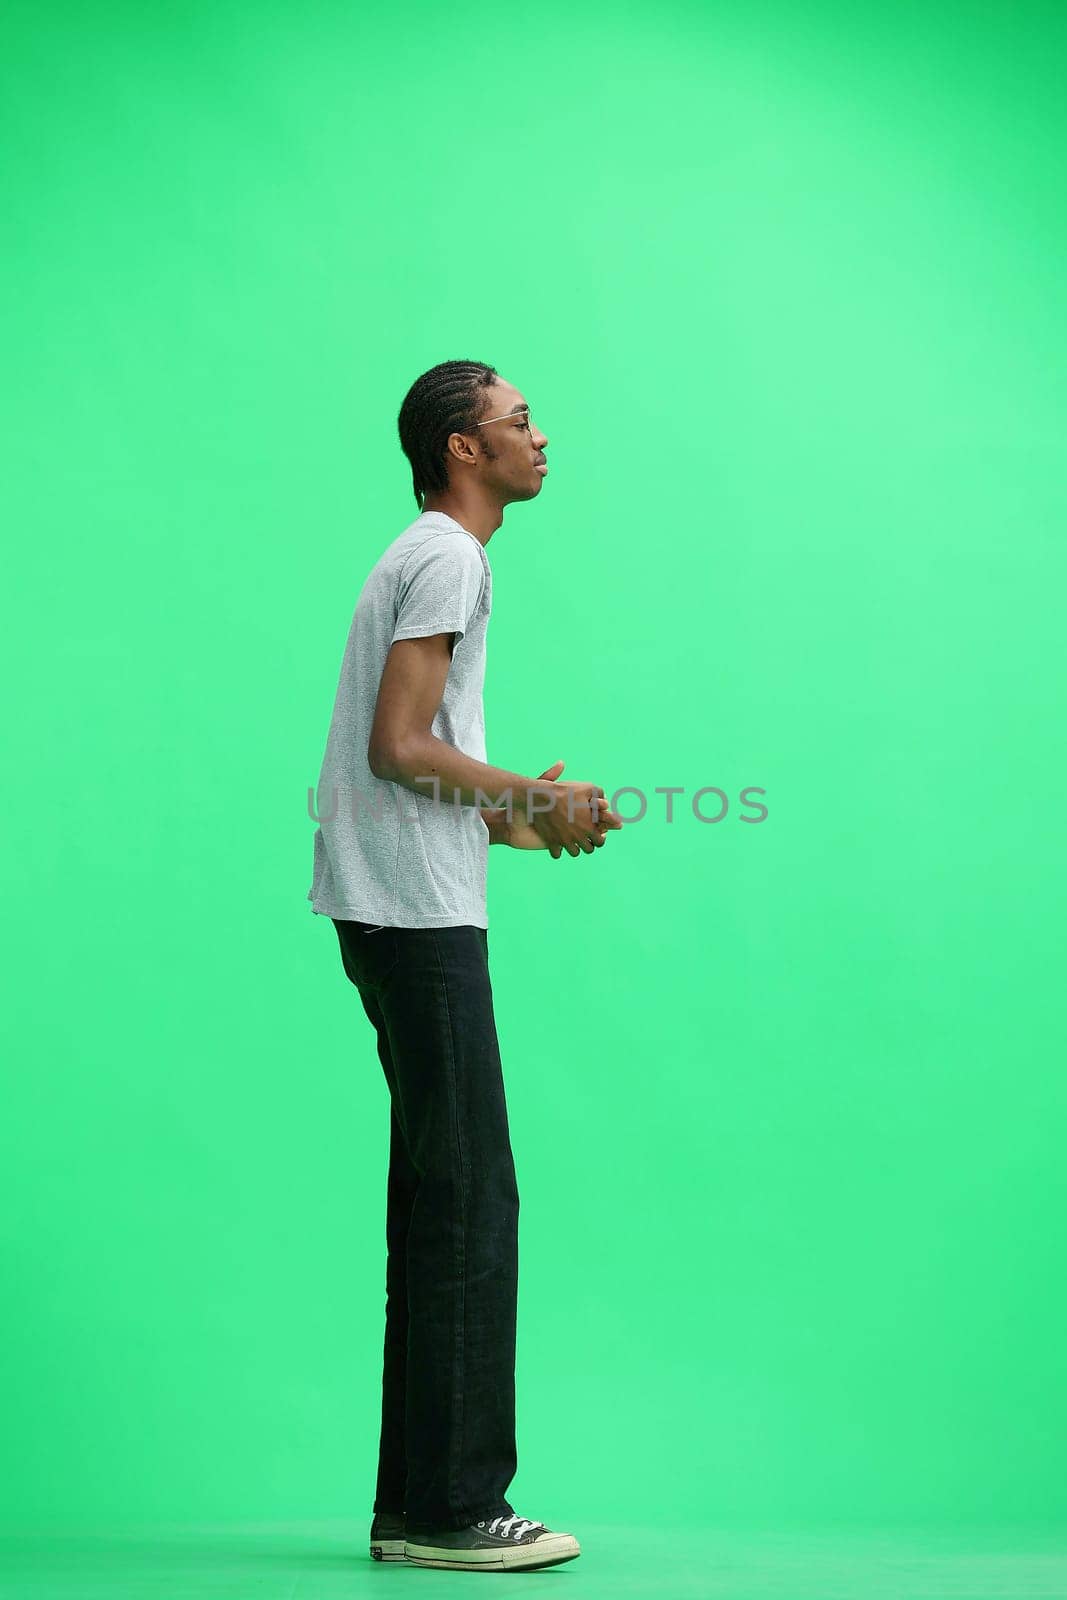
497,823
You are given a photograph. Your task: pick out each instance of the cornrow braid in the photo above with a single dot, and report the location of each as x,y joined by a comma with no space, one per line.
447,399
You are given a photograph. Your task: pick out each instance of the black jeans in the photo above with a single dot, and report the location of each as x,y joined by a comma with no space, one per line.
447,1449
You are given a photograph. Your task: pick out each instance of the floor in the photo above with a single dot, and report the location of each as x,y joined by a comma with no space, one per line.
327,1560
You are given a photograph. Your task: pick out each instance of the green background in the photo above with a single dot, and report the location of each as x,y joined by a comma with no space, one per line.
783,285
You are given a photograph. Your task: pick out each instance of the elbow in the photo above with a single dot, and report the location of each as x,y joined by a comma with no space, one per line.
393,759
382,760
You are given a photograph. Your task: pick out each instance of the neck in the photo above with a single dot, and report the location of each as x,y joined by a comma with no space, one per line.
479,516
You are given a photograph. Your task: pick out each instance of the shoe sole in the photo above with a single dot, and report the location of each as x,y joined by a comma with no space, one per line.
387,1550
546,1552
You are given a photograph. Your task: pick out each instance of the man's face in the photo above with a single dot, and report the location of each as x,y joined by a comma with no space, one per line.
510,445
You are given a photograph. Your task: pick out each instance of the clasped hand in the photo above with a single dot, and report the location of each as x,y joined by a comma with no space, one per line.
579,833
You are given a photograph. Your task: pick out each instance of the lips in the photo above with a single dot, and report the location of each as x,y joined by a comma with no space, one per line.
542,466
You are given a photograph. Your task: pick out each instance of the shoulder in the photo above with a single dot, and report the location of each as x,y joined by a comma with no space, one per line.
463,546
444,548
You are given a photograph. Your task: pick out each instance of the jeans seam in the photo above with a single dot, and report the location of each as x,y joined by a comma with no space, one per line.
460,1330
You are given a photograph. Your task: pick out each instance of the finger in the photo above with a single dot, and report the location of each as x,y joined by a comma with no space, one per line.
554,770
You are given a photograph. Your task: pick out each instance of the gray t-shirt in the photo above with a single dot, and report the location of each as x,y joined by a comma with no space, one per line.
385,853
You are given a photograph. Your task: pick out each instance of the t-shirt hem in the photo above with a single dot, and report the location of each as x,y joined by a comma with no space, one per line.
428,630
351,914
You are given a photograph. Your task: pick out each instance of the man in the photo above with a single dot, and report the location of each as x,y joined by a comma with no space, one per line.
408,807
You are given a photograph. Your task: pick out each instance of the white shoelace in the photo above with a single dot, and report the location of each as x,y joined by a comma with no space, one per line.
503,1526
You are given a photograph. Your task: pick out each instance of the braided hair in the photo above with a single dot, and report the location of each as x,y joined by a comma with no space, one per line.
448,399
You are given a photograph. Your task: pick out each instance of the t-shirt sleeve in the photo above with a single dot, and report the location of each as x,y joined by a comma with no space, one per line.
439,590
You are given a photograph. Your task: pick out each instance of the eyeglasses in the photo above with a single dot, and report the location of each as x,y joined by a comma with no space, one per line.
512,416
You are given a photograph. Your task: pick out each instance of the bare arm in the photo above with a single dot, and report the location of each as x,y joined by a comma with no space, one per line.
403,750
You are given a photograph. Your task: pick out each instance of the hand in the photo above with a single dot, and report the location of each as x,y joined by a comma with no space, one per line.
553,831
520,835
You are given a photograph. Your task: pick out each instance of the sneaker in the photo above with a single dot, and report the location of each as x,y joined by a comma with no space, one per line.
499,1544
387,1537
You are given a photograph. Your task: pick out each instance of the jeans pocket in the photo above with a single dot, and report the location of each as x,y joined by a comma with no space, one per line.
369,951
